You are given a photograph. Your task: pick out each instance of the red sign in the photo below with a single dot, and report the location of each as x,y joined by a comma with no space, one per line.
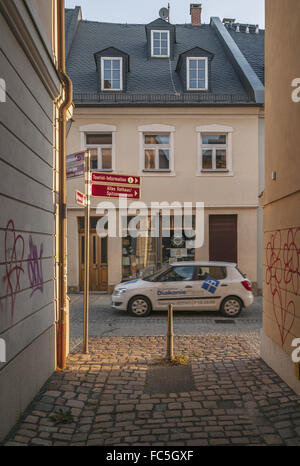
131,180
99,190
80,198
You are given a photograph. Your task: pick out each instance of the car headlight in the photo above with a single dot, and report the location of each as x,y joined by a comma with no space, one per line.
120,291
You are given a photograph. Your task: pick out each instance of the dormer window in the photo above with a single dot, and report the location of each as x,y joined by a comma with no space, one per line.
111,74
194,68
197,73
160,44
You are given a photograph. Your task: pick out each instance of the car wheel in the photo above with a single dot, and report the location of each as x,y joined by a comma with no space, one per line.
231,306
139,306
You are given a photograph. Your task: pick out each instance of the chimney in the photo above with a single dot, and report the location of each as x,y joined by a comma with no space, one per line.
195,11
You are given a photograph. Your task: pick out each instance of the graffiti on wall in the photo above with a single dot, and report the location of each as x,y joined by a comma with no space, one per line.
14,248
14,254
34,266
283,277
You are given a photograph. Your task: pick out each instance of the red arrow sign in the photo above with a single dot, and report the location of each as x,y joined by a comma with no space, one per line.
99,190
80,198
132,180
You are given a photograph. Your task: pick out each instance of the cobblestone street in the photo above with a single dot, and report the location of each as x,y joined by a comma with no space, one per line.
236,399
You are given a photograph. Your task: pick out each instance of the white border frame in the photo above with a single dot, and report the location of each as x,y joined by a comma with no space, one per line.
188,59
152,39
156,129
215,129
100,128
120,59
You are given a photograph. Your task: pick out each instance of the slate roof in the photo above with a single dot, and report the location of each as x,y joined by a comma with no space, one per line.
253,47
151,81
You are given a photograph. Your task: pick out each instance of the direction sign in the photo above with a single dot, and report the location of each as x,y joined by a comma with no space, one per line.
75,165
75,158
99,190
80,198
75,170
132,180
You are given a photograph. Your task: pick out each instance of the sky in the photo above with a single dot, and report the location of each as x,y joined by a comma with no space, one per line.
145,11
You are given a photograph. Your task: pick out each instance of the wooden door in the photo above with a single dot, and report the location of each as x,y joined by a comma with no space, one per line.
223,238
98,262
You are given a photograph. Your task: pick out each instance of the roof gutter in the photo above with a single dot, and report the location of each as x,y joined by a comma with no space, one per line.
67,102
246,73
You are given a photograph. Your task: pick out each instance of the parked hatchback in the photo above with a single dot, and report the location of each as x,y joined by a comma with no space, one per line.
199,286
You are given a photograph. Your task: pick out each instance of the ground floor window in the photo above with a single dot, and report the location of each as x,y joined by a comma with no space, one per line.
143,255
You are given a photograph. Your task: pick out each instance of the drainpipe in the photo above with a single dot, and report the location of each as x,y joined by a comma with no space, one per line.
62,253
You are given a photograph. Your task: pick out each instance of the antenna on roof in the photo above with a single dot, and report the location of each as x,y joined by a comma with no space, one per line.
164,13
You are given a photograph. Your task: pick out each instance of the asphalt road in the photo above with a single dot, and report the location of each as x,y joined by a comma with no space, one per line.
107,321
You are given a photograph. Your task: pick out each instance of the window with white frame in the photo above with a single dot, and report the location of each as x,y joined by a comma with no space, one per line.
160,44
100,145
111,74
197,74
157,152
214,152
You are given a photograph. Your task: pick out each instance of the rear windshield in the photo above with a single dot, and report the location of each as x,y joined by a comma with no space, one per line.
243,274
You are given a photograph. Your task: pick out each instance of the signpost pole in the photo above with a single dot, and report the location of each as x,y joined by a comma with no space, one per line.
170,334
86,254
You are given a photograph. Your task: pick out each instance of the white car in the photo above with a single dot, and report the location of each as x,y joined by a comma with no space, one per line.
199,286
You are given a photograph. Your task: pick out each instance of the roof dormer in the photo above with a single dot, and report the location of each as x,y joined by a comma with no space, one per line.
113,66
160,39
194,69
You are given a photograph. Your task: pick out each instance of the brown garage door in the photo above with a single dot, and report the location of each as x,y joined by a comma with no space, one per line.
223,238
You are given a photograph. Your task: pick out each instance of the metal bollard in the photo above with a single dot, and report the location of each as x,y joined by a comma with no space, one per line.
170,334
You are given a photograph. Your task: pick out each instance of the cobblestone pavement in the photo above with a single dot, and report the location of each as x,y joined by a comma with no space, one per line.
236,400
107,321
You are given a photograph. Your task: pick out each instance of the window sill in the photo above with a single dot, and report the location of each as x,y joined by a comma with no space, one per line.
157,173
111,90
109,170
215,173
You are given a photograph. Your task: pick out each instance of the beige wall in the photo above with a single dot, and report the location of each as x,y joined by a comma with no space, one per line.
238,190
27,222
281,199
237,194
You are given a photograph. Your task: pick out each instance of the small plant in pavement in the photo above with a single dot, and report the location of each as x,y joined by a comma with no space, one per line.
62,417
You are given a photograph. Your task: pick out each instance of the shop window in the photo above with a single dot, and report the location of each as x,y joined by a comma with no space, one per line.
139,255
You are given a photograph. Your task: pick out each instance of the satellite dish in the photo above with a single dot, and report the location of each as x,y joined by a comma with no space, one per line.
164,13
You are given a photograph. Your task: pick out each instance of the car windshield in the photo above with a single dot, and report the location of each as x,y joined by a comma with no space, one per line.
155,276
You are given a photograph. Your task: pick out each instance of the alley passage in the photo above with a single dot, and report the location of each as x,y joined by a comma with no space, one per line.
236,398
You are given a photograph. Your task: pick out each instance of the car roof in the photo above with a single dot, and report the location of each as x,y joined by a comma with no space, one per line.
206,264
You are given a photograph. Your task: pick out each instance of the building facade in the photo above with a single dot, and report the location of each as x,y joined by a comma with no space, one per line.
181,106
281,197
31,95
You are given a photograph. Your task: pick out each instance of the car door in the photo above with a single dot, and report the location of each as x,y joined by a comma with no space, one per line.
176,286
212,286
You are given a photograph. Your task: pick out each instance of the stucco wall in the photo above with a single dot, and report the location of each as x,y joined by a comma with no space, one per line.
237,194
240,189
26,232
281,199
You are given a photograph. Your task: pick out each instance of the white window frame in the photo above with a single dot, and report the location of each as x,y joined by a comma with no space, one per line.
102,73
96,129
156,129
152,43
219,129
188,60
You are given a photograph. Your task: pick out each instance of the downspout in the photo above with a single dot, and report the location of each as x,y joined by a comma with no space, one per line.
62,253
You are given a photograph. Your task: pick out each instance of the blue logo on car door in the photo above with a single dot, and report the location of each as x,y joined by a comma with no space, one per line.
210,285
